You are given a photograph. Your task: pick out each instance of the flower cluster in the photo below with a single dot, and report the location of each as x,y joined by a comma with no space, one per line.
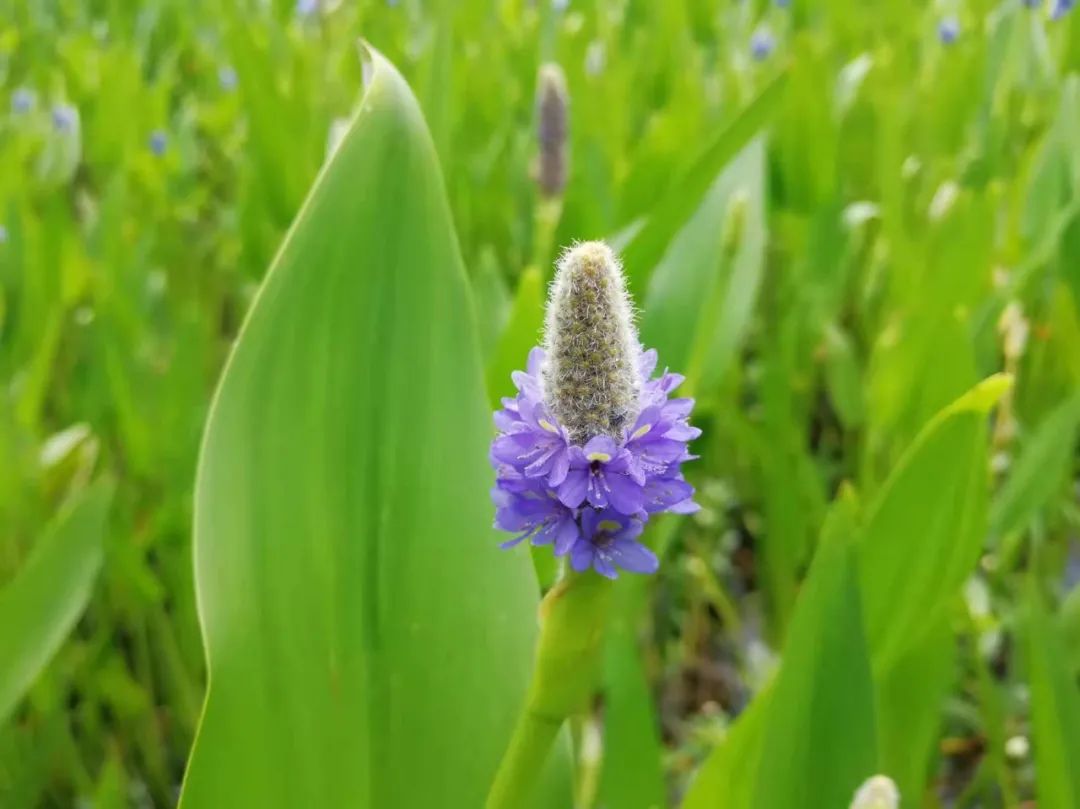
578,467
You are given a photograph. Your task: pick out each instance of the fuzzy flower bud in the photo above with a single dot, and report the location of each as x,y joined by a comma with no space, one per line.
593,443
878,792
590,378
552,113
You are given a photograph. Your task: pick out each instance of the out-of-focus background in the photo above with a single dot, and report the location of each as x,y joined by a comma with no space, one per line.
906,224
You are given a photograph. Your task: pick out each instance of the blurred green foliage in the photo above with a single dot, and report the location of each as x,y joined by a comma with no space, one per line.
835,240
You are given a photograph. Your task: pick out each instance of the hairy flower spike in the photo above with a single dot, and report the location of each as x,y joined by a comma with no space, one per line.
593,444
591,381
551,123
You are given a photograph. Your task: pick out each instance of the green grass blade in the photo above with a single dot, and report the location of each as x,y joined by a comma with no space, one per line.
41,605
1039,469
1055,708
819,739
368,644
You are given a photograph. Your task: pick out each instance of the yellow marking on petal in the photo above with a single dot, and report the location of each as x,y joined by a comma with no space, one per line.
603,457
640,431
547,425
608,526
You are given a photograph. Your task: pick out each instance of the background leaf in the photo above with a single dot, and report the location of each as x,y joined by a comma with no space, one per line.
1055,708
924,532
42,604
1038,470
368,643
819,740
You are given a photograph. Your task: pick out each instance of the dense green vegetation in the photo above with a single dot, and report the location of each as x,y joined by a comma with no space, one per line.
854,226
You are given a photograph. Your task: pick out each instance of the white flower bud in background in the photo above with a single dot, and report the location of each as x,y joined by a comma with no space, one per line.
878,792
590,375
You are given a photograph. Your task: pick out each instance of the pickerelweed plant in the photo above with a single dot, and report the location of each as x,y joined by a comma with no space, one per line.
588,450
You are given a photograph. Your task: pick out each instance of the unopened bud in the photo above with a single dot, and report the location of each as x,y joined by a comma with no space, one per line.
878,792
590,373
552,117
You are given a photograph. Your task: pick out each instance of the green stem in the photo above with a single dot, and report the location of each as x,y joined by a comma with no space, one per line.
573,616
524,760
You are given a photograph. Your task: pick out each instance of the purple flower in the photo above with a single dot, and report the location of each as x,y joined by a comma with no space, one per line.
3,234
761,45
227,79
64,118
533,513
158,142
1061,8
592,444
22,101
948,30
609,540
603,473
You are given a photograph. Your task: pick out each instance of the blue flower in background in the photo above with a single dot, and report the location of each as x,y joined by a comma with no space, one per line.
305,8
3,234
227,78
22,100
948,30
783,3
158,142
1032,3
64,118
592,444
1061,8
762,45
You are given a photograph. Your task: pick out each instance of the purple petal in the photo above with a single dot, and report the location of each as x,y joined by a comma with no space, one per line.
668,382
602,565
581,555
535,362
625,495
685,507
680,431
647,363
663,493
645,422
567,536
574,487
560,466
633,556
601,448
510,543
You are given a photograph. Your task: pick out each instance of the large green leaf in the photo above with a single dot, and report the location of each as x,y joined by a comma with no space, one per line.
925,530
368,644
39,608
910,695
1055,708
819,741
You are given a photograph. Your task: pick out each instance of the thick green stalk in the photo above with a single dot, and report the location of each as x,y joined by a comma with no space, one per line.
568,659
